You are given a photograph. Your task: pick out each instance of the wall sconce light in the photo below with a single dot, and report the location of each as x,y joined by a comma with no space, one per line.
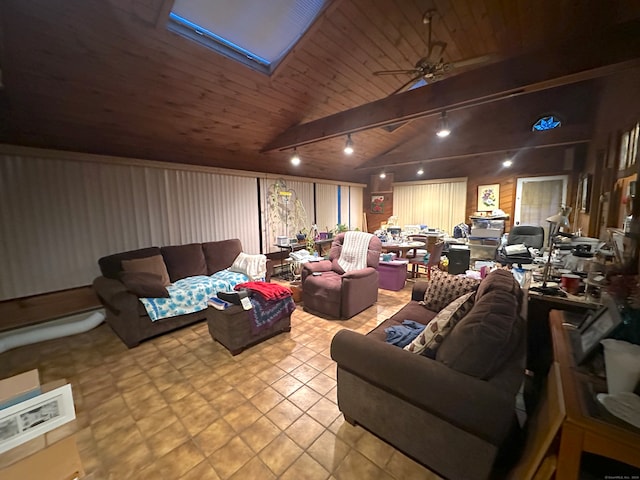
383,175
295,158
420,170
348,146
443,126
507,163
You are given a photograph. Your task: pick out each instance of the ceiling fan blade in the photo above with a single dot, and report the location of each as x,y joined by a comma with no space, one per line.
406,84
474,61
436,51
396,72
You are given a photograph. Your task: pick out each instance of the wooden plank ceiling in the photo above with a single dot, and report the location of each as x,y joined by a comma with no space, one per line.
107,77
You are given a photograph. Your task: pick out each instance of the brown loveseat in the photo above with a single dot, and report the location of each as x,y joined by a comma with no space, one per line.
452,413
125,313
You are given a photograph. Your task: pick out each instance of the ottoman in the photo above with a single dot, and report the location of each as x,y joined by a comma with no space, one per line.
232,328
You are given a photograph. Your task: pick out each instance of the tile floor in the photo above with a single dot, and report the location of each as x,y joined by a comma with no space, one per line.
181,407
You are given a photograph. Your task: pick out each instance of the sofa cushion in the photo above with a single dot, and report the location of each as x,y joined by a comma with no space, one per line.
153,265
428,341
485,338
111,265
220,255
444,288
144,284
411,311
184,261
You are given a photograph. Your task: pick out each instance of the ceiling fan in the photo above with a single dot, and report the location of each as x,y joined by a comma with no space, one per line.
431,67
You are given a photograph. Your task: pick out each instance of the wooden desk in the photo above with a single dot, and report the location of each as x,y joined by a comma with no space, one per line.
586,427
401,248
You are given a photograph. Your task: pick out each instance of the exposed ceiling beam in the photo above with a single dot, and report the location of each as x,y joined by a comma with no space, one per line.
580,59
433,151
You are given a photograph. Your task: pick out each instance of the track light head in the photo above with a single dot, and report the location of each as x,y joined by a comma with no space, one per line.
443,126
348,146
295,158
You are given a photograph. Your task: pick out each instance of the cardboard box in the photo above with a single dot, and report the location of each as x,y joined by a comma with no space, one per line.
51,456
19,388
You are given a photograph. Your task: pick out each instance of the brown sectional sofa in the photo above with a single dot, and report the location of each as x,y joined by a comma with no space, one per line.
126,315
452,413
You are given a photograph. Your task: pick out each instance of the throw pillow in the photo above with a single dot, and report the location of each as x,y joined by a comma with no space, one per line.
144,285
253,266
428,341
443,288
154,264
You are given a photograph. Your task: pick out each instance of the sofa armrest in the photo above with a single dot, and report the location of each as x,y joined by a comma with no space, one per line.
321,266
417,293
115,295
472,404
362,273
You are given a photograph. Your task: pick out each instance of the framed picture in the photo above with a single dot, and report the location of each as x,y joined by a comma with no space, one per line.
377,204
634,141
36,416
595,328
624,151
585,193
488,197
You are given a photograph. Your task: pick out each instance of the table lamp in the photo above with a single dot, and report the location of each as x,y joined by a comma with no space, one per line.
556,222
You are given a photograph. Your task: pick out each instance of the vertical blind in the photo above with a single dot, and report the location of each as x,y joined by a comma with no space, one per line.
58,216
438,204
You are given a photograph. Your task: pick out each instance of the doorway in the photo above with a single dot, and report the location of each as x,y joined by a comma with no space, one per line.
537,198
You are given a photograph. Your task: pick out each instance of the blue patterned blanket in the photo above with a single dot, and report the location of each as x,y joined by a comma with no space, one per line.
191,294
267,312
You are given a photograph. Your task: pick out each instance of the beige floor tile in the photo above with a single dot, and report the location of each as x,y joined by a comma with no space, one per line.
286,385
403,468
202,471
329,451
304,431
284,414
242,417
324,411
231,457
266,400
374,449
322,383
356,465
305,397
153,422
280,454
214,437
167,439
180,460
305,467
254,469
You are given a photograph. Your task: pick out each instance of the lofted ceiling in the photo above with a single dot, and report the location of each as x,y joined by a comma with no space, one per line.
107,77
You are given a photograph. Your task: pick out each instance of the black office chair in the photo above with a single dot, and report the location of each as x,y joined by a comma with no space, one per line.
519,240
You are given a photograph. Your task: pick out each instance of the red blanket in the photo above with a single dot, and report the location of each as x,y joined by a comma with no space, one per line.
269,291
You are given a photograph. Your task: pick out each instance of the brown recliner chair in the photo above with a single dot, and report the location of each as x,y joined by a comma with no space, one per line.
336,293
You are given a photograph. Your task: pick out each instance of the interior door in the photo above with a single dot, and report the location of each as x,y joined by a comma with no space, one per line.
537,198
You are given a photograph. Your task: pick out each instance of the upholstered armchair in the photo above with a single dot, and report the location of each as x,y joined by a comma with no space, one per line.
330,291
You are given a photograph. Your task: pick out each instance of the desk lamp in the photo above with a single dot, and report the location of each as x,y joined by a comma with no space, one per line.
556,222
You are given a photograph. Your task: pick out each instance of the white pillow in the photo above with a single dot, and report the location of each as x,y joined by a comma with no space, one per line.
253,266
428,341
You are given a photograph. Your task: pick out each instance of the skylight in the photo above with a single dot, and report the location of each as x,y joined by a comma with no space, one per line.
257,33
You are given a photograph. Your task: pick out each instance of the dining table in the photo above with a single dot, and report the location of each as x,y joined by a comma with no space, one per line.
401,247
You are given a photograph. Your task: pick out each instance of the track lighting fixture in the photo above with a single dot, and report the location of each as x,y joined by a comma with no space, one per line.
383,175
348,146
295,158
420,170
443,126
507,163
